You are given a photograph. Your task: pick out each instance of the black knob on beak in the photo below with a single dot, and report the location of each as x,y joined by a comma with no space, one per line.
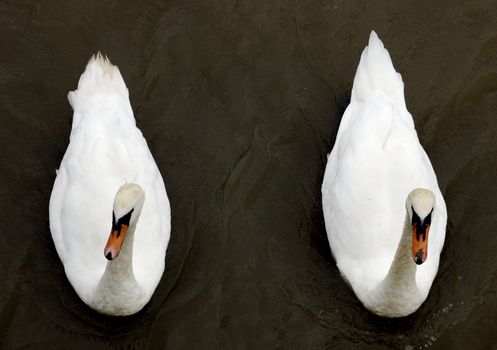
418,259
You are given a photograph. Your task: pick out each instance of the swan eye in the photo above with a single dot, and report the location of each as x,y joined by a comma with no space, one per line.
415,217
421,226
417,220
122,221
427,220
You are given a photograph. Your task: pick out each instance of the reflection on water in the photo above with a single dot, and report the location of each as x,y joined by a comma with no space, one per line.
240,103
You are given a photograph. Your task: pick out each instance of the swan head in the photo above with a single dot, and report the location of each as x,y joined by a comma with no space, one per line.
128,204
420,204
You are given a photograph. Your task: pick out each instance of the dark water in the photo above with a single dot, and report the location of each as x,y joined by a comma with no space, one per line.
240,101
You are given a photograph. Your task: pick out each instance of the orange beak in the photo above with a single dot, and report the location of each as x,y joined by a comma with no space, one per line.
420,243
115,242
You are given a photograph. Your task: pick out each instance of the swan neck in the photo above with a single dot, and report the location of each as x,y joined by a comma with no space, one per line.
122,266
398,294
118,293
402,273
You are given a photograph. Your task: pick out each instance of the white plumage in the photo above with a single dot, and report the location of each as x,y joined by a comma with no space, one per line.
106,150
376,162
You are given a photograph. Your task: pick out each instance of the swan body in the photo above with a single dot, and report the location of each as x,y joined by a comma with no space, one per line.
378,186
90,197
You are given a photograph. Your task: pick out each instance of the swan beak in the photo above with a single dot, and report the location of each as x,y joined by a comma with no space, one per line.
115,242
420,242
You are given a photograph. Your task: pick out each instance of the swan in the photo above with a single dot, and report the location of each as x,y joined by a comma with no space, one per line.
114,274
384,214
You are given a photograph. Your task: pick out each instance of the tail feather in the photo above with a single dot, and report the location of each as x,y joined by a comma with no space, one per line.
100,76
376,73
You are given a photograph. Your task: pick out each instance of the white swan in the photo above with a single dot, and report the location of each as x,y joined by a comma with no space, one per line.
381,225
90,198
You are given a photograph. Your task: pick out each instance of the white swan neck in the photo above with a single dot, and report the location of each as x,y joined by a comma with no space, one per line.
122,266
118,292
402,273
398,295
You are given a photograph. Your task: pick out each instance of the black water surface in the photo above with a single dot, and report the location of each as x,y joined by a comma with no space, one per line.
240,101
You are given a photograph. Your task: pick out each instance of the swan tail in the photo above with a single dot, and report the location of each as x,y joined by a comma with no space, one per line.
376,74
99,77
